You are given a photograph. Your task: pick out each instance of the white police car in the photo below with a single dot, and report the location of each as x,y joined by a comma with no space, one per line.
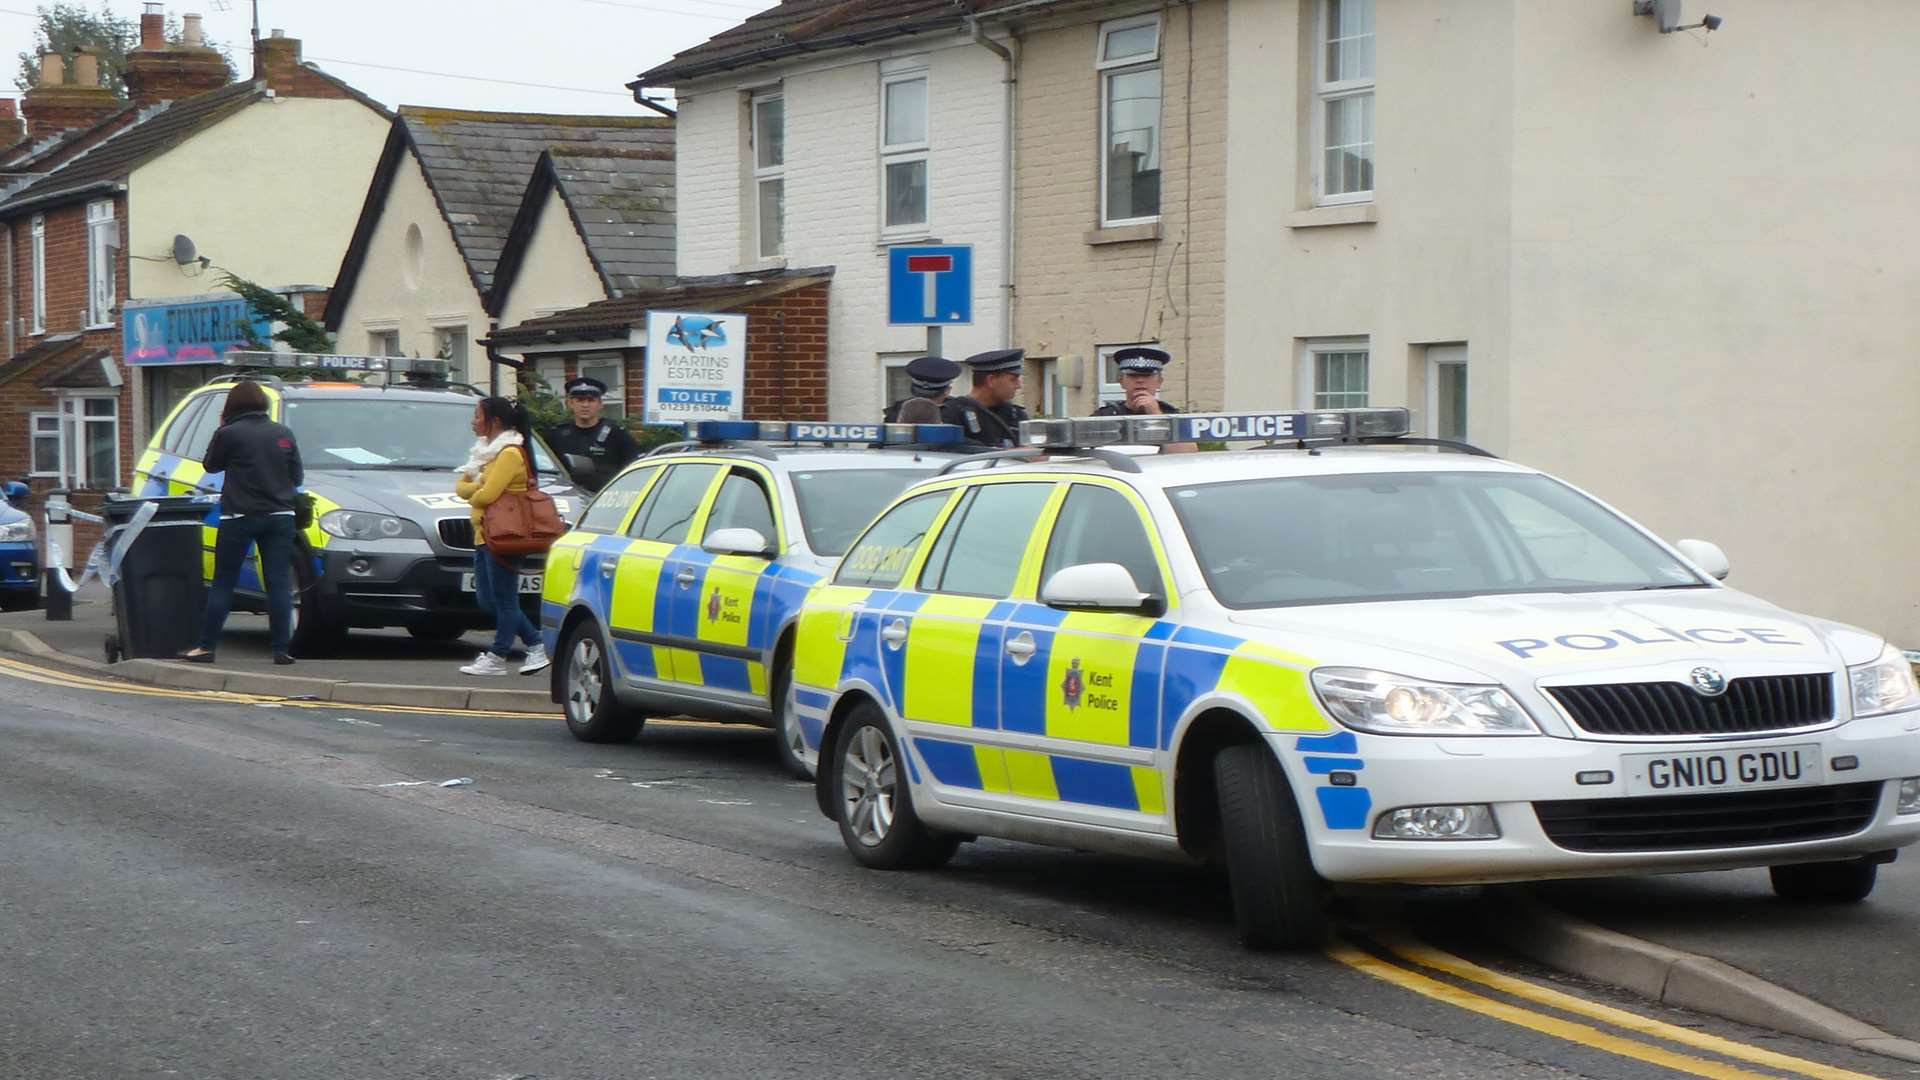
676,591
1323,661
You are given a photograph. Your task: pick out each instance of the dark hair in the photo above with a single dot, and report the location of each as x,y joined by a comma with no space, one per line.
512,416
245,397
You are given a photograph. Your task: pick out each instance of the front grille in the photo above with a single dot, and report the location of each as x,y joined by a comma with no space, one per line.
457,532
1751,706
1689,822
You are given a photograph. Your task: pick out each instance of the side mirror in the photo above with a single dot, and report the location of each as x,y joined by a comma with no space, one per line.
1707,556
1098,587
578,462
15,490
737,542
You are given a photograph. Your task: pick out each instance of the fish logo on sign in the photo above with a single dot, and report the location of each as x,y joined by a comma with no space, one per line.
1072,686
696,333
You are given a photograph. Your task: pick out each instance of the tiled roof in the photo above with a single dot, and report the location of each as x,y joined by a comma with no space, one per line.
619,202
803,26
48,348
608,318
477,164
79,370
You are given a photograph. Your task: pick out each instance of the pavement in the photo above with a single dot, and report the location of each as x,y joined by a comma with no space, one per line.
220,888
375,667
1824,952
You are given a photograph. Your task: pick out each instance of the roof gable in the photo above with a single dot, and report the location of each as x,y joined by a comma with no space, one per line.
620,202
615,317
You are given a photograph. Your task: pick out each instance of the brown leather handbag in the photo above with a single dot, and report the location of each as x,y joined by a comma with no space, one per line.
522,522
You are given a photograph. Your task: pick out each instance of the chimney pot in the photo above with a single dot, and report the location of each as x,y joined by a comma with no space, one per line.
53,69
153,29
86,68
190,31
279,33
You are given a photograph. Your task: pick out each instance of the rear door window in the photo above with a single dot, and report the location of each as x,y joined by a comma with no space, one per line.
609,508
880,558
671,506
990,538
200,435
176,434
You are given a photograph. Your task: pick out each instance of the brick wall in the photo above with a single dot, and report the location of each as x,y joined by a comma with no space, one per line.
1074,295
21,395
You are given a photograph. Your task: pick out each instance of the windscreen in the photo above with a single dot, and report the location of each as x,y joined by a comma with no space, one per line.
835,504
1401,536
377,432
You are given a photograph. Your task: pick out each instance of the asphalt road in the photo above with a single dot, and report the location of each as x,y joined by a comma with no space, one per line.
203,889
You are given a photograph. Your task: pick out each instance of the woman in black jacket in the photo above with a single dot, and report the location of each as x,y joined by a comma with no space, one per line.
262,464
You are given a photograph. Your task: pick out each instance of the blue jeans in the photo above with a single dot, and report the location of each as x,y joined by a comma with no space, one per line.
273,534
497,589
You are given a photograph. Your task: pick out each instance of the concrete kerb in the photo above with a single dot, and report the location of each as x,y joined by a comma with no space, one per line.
1671,976
204,677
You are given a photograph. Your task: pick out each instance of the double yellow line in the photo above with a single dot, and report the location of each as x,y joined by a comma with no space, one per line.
75,681
1415,956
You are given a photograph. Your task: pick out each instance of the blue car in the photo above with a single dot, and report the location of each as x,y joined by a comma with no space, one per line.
19,556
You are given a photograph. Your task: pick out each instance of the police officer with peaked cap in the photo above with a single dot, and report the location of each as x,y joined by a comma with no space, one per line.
602,442
1141,374
988,416
931,378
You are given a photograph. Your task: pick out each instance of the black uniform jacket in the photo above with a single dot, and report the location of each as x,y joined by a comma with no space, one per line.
993,428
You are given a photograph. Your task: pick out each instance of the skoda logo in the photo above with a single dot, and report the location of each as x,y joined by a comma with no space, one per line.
1707,681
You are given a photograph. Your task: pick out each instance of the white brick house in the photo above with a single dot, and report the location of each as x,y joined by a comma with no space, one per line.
784,162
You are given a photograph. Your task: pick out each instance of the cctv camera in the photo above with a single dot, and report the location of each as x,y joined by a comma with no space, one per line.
1711,22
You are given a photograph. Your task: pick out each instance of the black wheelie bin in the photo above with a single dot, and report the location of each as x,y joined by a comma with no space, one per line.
160,598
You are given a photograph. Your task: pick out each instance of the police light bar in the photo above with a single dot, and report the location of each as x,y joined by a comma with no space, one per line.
803,431
1216,427
336,362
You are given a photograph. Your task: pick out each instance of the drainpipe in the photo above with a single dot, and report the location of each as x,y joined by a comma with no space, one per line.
1006,180
11,351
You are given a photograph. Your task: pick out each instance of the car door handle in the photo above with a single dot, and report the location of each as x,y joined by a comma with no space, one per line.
1020,646
684,577
894,633
607,568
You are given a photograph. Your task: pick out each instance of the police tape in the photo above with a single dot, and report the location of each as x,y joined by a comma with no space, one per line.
105,558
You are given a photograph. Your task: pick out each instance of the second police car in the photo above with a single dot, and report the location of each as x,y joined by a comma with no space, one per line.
1320,665
391,544
676,591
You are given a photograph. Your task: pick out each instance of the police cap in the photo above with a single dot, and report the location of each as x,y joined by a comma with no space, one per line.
987,363
932,374
1142,359
586,387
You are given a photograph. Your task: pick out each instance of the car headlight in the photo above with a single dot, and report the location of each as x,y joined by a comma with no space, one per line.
16,531
360,525
1388,704
1883,686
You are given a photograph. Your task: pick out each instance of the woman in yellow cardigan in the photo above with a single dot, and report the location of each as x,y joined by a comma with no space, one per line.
499,463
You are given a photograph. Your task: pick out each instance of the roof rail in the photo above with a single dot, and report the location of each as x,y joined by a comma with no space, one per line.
693,447
1455,445
247,376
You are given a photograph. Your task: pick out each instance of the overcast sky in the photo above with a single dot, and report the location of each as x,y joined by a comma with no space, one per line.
579,51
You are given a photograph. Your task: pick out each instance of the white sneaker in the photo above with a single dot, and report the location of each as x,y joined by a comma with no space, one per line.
485,664
536,660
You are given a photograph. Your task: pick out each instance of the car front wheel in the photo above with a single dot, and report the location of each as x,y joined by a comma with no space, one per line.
1825,883
789,742
873,803
593,713
1279,902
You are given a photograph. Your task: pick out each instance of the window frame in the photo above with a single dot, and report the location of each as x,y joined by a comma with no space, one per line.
941,498
767,174
378,341
1107,71
1325,92
73,444
443,337
34,437
764,483
1157,588
614,403
39,245
696,519
647,475
102,284
1307,389
907,153
956,522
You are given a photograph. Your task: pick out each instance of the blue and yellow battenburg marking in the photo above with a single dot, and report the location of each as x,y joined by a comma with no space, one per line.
676,613
1092,680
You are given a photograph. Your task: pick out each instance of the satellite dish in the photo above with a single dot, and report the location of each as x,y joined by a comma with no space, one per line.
183,250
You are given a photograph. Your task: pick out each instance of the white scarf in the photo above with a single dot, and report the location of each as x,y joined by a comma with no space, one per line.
485,450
